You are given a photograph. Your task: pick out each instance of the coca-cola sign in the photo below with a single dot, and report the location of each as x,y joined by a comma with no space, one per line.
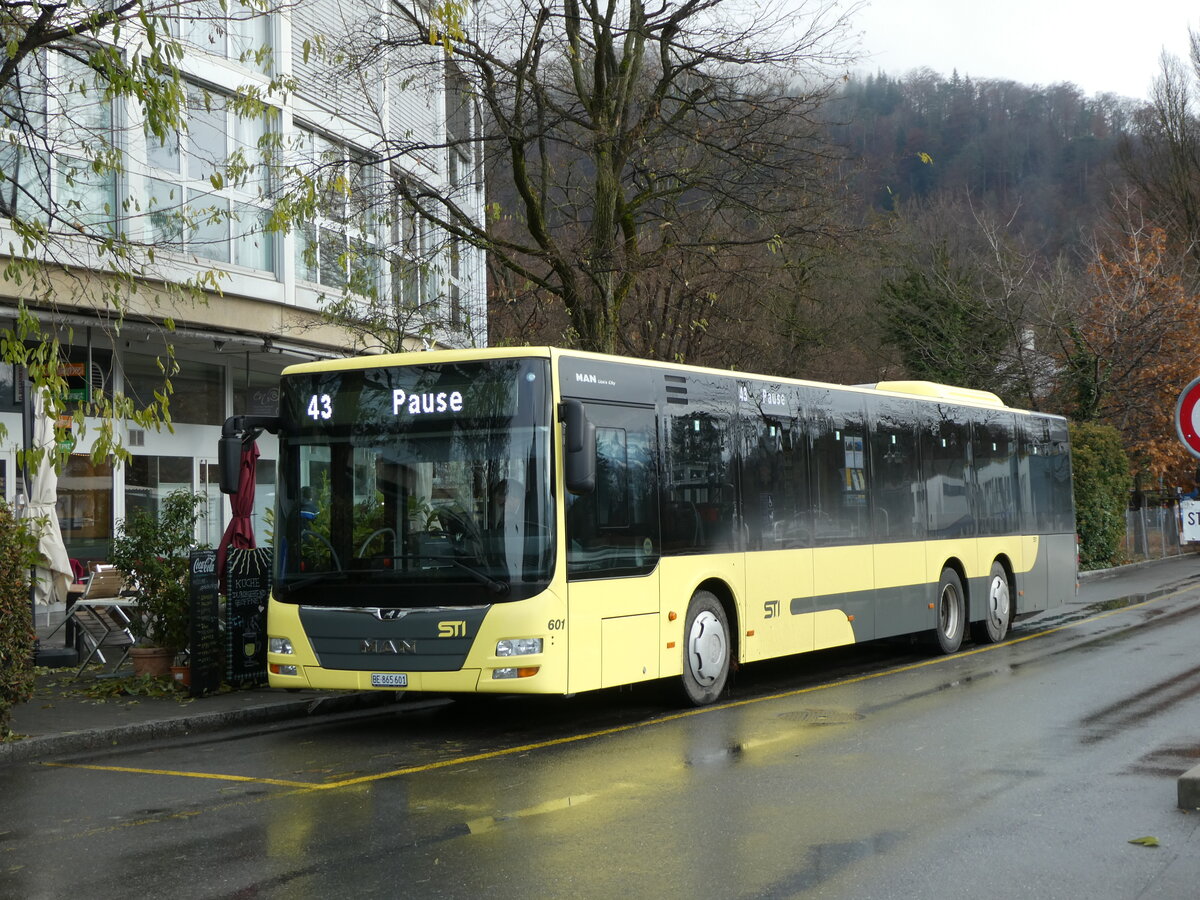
204,565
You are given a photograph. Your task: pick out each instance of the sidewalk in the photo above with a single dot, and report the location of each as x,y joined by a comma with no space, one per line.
69,715
66,715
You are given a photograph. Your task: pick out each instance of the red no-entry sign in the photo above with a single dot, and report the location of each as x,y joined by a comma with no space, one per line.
1187,417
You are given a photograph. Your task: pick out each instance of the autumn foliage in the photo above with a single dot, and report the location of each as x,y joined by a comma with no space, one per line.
1134,346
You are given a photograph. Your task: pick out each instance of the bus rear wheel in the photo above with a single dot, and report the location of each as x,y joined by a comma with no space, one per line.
998,612
951,612
706,649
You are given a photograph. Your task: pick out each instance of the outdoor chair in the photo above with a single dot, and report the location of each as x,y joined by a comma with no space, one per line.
102,614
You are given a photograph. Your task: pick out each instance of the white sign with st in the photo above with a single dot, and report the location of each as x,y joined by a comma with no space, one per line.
1189,516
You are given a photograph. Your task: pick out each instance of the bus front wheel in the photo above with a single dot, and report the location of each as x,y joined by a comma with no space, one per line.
706,649
951,612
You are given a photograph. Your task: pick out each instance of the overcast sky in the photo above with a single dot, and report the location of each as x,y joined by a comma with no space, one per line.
1100,45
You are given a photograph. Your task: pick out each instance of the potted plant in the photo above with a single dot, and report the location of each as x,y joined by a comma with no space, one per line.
151,551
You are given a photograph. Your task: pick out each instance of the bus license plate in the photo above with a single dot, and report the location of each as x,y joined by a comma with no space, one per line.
389,679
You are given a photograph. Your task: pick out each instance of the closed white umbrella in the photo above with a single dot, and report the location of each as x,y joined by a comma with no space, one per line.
54,569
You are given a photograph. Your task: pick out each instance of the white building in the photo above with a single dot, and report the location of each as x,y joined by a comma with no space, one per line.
353,127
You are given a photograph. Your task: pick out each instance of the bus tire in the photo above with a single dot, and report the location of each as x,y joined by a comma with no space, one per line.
998,608
950,609
706,649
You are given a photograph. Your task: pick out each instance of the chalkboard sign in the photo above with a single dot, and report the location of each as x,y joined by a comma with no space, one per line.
205,656
248,582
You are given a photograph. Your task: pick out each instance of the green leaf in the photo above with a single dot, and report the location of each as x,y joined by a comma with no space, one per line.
1145,841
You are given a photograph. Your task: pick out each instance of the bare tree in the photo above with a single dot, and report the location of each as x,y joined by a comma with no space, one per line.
1133,344
1162,158
625,138
971,304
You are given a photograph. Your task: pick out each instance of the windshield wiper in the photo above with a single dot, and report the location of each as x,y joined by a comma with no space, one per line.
494,586
292,584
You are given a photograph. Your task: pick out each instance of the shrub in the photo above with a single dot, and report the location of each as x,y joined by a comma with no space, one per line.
18,552
1100,471
152,553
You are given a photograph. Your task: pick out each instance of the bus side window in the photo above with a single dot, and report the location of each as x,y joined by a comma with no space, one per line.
946,463
993,447
614,528
698,498
839,460
898,500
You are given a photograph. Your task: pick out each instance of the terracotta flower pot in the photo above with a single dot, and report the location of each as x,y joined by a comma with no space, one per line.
154,661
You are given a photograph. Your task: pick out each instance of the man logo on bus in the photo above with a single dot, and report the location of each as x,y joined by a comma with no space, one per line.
396,646
416,404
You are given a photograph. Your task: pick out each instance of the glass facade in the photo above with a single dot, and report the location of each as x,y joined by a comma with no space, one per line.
85,507
148,479
198,395
93,498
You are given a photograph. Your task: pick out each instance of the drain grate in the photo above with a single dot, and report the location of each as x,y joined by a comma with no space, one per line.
821,716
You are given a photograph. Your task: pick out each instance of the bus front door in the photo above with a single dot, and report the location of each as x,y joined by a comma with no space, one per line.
613,547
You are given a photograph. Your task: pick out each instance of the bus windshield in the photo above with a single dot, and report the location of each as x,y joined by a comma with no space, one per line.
409,486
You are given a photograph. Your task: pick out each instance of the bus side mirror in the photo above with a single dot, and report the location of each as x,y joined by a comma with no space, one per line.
579,460
236,431
229,458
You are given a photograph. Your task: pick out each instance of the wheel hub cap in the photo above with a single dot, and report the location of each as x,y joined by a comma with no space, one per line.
998,600
706,648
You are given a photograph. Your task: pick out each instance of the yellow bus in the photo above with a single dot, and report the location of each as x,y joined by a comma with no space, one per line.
537,520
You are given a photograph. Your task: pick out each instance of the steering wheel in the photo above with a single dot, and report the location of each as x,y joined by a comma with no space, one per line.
362,551
309,533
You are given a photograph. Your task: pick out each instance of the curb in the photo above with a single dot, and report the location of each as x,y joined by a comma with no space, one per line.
1189,789
1098,574
182,726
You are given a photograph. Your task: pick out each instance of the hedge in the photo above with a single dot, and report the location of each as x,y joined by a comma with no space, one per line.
17,553
1102,483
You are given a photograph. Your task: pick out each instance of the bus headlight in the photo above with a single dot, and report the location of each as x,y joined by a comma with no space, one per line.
519,647
280,645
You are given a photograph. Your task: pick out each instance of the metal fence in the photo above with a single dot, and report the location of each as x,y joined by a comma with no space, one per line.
1153,533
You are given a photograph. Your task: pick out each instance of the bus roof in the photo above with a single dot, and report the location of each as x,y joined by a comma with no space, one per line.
923,389
936,391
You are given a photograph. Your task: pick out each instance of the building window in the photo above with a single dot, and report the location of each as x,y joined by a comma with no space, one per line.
255,394
413,262
339,247
456,310
84,507
148,480
209,189
460,116
57,146
230,31
198,389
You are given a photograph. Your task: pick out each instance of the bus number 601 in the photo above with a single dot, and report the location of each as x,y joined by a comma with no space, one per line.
556,624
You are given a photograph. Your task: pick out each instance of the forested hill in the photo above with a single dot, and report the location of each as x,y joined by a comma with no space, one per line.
1049,153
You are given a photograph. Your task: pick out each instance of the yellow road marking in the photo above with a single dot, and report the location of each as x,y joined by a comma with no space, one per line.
616,729
210,775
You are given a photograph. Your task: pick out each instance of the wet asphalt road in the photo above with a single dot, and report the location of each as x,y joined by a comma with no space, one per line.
1013,771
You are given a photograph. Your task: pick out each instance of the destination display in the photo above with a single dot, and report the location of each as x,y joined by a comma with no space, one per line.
397,397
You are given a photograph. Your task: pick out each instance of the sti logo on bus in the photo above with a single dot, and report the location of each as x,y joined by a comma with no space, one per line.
453,628
416,404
